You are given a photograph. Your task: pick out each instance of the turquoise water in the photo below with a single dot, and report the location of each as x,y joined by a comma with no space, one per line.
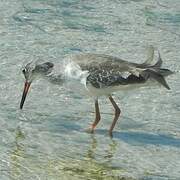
46,140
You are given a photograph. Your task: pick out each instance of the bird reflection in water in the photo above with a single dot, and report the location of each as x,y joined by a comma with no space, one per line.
109,151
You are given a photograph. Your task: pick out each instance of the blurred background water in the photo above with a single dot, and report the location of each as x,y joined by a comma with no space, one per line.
47,140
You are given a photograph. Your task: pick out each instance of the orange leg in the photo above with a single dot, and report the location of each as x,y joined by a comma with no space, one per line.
117,114
97,117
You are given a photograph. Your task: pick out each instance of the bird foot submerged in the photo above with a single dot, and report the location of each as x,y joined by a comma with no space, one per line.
91,130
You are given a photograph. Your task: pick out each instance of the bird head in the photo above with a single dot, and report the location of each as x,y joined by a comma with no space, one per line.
31,71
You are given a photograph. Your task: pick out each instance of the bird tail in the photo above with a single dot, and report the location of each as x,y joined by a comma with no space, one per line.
155,71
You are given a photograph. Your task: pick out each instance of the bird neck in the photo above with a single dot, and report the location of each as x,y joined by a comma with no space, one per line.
55,79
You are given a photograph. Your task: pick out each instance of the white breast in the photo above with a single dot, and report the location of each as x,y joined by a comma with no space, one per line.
72,71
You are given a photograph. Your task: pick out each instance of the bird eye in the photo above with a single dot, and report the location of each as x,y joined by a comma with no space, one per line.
24,71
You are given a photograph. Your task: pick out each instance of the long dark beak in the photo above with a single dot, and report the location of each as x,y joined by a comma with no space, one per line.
26,88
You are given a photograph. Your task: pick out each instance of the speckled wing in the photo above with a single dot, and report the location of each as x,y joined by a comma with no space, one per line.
105,71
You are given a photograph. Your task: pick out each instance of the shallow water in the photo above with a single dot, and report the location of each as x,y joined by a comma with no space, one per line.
46,140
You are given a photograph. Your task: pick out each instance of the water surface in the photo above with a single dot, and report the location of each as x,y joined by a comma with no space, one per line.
46,140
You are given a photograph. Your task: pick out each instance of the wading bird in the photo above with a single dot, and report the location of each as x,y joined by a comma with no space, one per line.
100,75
